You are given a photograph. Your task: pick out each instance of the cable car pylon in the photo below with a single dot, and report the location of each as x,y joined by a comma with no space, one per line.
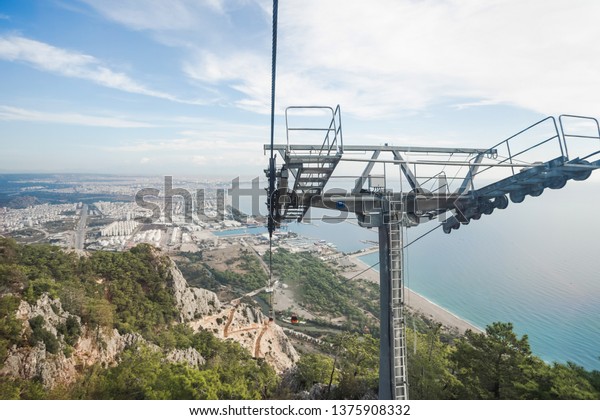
545,155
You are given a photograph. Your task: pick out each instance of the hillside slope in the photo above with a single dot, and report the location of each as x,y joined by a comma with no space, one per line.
72,322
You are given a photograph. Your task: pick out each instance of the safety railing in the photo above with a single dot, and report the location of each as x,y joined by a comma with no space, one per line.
332,141
515,155
577,132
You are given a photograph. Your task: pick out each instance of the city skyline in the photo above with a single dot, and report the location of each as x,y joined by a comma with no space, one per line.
183,87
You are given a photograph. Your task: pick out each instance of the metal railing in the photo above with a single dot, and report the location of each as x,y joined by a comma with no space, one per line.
566,135
511,156
332,140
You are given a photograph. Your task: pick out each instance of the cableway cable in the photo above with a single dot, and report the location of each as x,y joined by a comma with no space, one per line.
271,193
404,247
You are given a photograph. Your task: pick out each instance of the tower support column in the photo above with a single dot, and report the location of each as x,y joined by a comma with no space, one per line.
393,381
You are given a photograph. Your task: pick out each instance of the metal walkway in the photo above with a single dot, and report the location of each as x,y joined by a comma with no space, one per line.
531,180
310,165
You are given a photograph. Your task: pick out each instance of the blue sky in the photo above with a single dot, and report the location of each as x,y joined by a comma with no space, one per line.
182,87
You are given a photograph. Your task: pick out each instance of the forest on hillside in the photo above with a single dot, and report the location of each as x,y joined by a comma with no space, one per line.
496,364
128,291
124,291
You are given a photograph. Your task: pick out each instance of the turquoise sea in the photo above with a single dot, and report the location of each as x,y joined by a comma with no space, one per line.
535,264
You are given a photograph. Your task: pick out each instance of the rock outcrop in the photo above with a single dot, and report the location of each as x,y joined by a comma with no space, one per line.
35,362
49,309
192,302
189,356
198,308
247,325
92,346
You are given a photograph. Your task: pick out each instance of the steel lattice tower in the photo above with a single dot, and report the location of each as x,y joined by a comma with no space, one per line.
520,166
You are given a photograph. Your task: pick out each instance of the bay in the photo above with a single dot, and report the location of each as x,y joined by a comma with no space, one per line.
535,264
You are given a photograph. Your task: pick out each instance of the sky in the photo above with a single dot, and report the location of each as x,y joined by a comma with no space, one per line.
182,87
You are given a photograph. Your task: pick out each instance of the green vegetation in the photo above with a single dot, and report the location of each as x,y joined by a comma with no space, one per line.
40,334
351,369
136,285
243,282
196,272
229,373
251,275
494,365
18,389
314,368
70,330
358,362
128,291
323,291
10,327
430,370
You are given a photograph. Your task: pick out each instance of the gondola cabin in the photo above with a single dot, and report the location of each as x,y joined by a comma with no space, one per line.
294,319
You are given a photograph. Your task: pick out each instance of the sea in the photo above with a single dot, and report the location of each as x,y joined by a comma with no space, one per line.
535,264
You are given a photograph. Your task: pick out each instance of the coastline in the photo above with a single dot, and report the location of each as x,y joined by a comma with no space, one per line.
413,300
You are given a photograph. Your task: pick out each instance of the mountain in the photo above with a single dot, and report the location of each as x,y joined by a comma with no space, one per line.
87,323
127,325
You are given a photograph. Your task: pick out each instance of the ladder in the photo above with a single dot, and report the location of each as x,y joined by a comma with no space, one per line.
312,171
398,332
311,165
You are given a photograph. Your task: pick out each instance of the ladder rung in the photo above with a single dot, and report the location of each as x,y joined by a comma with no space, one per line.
297,159
317,170
311,179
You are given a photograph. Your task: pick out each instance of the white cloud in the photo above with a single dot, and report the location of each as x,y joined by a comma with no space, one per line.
72,64
403,55
393,57
212,143
199,29
4,17
158,14
9,113
213,138
381,60
199,160
246,72
217,146
222,50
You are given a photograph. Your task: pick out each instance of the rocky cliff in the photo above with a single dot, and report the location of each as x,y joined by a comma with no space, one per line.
57,356
192,302
236,321
52,367
248,326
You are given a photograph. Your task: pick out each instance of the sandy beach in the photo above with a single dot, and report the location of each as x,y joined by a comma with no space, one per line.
412,299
